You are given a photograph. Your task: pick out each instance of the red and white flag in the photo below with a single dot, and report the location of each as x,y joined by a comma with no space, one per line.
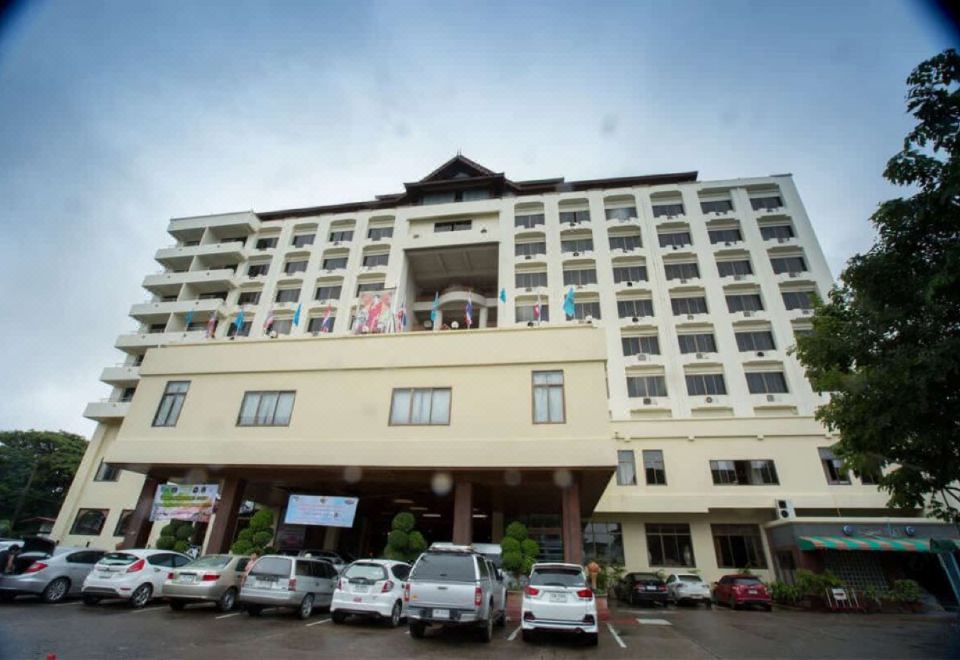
536,310
325,326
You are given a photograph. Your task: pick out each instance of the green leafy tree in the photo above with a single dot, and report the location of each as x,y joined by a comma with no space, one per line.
257,536
404,543
887,342
518,551
36,469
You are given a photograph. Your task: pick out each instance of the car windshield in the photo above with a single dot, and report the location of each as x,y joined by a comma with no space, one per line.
558,577
690,578
444,567
752,582
118,558
210,561
278,566
365,572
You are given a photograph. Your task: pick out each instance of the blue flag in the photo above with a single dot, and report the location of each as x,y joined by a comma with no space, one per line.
503,295
189,318
296,316
239,321
568,304
435,307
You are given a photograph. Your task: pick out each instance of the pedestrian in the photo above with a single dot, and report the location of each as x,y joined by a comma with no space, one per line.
8,559
593,570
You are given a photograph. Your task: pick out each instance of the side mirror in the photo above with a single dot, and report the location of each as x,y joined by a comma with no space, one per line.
499,575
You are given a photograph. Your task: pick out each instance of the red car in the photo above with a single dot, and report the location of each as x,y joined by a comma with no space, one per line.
737,590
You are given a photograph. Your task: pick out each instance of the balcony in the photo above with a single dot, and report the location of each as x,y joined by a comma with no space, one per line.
172,256
121,375
245,222
148,312
104,410
137,341
210,280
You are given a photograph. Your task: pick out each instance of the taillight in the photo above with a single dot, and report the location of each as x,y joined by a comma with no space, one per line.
340,584
171,576
406,592
531,591
661,587
292,584
210,577
586,594
477,596
137,566
387,586
35,567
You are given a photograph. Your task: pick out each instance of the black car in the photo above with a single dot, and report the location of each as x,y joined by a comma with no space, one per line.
640,588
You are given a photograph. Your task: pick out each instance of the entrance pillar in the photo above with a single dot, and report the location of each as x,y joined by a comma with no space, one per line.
138,529
463,513
572,529
496,526
331,535
484,312
225,520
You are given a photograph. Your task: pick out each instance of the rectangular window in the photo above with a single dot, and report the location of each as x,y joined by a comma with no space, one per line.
171,402
316,324
213,295
766,203
528,221
798,299
530,249
328,292
689,305
788,264
630,274
626,468
371,260
525,313
627,309
833,468
666,210
654,467
766,382
573,217
243,331
334,263
675,239
703,342
295,267
377,233
718,206
303,240
267,243
341,236
733,268
760,340
256,270
420,406
647,345
580,276
525,280
89,522
748,302
779,232
475,194
705,384
456,225
107,472
576,245
266,409
669,544
744,473
585,309
369,287
442,197
158,327
731,235
628,243
287,295
624,213
123,522
682,271
248,298
282,326
603,541
646,386
548,404
738,546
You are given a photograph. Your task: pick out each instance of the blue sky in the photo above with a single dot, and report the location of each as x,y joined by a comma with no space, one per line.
116,116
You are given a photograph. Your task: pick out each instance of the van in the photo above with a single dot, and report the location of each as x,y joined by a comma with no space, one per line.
289,582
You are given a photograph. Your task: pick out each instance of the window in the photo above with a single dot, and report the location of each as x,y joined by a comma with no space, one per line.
731,235
603,542
758,340
580,276
282,326
267,243
833,468
648,345
779,232
288,295
798,299
316,324
686,271
705,384
248,298
766,203
675,239
528,221
456,225
576,245
624,213
171,402
525,313
582,310
689,305
303,240
766,382
630,242
630,274
654,467
342,235
646,386
123,522
420,406
788,264
127,394
548,404
157,327
256,270
718,206
244,330
738,546
530,249
442,197
669,544
733,268
627,309
370,260
744,473
107,472
295,267
266,409
369,287
573,217
661,210
746,302
703,342
869,477
626,468
89,522
328,292
334,263
525,280
213,295
89,557
377,233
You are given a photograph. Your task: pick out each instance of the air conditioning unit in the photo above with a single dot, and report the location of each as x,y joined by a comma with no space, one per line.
671,217
676,247
785,509
528,289
336,242
718,212
771,397
689,317
629,283
576,254
641,357
760,353
528,257
806,312
794,273
683,281
579,286
635,319
701,356
416,235
728,243
747,313
782,239
647,401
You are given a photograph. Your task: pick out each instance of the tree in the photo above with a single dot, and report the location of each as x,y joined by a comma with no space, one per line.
257,535
887,342
176,535
36,469
518,551
404,543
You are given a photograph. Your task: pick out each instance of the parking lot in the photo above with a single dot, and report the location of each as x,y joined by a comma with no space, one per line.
29,629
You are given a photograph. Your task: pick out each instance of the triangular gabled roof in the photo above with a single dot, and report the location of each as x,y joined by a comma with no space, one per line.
458,167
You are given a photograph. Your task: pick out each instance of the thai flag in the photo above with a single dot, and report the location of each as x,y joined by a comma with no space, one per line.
269,322
469,315
536,310
212,325
402,317
325,326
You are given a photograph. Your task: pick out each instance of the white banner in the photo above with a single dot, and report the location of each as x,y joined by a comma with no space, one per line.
193,502
321,510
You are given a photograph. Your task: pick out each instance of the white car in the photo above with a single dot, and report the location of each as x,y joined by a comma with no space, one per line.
327,555
371,588
687,588
133,575
557,598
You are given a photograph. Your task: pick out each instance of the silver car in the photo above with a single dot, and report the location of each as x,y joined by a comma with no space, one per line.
47,571
294,582
211,579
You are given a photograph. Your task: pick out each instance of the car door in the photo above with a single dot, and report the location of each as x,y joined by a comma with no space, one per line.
328,581
499,593
721,592
158,565
77,565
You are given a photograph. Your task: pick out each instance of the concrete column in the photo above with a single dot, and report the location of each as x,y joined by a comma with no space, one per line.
572,529
463,512
496,526
225,521
331,535
138,530
483,317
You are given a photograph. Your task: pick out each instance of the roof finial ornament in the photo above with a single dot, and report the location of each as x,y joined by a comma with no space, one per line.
459,151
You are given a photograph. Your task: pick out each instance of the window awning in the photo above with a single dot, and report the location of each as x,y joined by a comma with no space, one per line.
864,543
945,545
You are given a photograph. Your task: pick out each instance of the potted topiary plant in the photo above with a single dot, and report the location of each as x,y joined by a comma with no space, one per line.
404,543
257,536
518,555
176,536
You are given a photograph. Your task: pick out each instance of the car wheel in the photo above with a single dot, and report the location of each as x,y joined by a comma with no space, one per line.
732,603
227,600
502,619
592,639
177,605
486,632
526,635
56,591
338,617
395,614
254,610
141,596
7,597
306,607
417,630
91,600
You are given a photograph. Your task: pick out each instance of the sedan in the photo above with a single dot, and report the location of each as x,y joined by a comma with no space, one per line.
328,555
558,599
47,571
638,588
739,590
688,588
210,579
371,588
133,575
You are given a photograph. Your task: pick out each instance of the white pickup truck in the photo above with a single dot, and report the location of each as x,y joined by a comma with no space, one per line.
454,585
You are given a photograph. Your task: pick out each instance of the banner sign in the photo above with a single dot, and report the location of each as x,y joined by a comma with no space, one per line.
375,313
184,502
321,510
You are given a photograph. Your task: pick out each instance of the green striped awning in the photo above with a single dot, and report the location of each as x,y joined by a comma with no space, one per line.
944,545
863,543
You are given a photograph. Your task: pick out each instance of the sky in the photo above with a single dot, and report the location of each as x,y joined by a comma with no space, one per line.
117,116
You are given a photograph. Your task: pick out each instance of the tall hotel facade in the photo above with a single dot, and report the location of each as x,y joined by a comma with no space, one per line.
666,424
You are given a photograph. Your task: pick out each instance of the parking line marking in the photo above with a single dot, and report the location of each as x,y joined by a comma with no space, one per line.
513,635
149,609
616,636
227,616
654,622
317,623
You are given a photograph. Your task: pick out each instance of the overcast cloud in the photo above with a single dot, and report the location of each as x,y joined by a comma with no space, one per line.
115,117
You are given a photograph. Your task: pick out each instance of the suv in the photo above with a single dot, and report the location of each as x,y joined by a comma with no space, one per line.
453,585
295,582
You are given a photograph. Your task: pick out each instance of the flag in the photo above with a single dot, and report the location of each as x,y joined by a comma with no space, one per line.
189,319
568,304
374,313
325,326
435,307
469,315
239,322
212,325
536,310
268,323
402,316
503,295
296,316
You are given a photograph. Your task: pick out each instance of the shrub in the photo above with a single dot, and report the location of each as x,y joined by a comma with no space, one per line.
165,543
176,535
518,550
509,544
184,532
814,584
786,593
905,591
181,546
257,536
404,543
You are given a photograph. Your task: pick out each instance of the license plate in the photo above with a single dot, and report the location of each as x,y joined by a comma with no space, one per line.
361,589
558,598
188,578
357,599
753,592
441,614
649,588
266,582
